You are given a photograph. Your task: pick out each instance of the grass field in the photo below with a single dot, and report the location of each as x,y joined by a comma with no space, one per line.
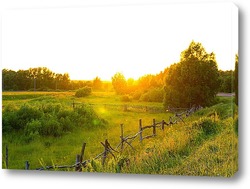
206,144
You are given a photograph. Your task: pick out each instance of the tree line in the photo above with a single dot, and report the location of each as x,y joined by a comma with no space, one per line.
195,79
43,79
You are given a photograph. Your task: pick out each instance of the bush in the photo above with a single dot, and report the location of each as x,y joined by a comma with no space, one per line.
51,108
85,91
153,95
32,129
25,114
137,94
125,98
9,121
209,127
48,119
50,126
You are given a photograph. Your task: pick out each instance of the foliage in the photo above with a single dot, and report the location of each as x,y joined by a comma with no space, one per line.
40,78
137,94
209,127
97,83
119,83
83,92
236,80
153,95
226,81
194,80
125,98
49,119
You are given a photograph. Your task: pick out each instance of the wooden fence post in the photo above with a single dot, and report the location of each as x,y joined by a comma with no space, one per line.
82,151
7,157
81,155
122,140
73,104
77,162
105,152
162,124
27,165
154,127
140,129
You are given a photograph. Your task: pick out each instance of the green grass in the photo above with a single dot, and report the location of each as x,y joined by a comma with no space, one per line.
205,145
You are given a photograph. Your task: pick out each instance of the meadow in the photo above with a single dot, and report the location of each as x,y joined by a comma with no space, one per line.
55,124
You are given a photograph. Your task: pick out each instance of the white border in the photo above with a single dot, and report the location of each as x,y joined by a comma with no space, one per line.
34,179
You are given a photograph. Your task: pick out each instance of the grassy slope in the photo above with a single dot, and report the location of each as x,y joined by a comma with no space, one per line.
185,150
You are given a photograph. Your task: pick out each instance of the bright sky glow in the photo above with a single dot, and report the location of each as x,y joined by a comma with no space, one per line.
102,40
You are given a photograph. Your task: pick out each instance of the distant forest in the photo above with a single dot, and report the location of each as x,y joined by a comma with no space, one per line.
43,79
194,80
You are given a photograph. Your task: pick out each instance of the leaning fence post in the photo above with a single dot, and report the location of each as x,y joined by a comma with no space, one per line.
7,157
154,127
162,125
122,140
27,165
105,152
140,129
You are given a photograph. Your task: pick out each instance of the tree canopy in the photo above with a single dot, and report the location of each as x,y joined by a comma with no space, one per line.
119,83
40,78
192,81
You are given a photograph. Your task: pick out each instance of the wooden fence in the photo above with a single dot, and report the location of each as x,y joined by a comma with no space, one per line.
124,140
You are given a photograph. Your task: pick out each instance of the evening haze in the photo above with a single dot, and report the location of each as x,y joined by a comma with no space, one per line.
101,40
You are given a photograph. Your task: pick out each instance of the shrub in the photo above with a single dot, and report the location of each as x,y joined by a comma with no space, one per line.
66,124
50,126
209,127
25,114
49,107
85,91
48,119
125,98
10,108
137,94
9,121
153,95
32,129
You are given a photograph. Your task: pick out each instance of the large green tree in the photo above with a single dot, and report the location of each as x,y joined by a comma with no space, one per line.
192,81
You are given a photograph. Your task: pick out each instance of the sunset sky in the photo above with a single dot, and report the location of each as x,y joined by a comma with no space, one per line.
101,40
